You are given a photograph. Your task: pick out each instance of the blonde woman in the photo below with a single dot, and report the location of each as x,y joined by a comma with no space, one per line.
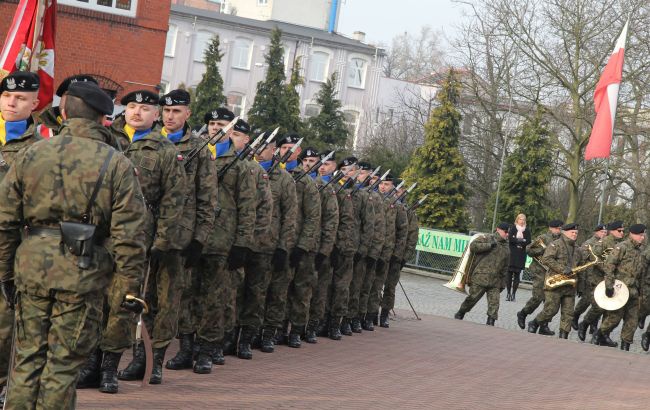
518,237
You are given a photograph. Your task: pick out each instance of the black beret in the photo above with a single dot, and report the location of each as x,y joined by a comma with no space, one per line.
612,226
242,126
220,113
637,228
140,97
570,226
600,227
309,153
389,177
175,97
326,153
20,81
504,226
93,96
555,223
288,139
348,161
81,78
365,166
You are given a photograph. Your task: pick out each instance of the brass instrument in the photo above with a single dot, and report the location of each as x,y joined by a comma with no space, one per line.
461,273
540,241
560,279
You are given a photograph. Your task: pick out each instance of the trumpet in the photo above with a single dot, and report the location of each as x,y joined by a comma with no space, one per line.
560,279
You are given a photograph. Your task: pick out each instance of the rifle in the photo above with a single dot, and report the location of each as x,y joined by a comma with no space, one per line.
365,181
336,177
417,204
314,167
346,184
378,181
223,131
285,157
408,191
243,154
392,191
265,144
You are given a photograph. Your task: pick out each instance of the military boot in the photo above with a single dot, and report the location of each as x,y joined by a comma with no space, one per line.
533,325
625,346
383,319
230,343
183,359
91,373
268,334
310,333
574,322
563,334
521,319
244,346
593,327
346,329
323,326
459,315
135,369
604,340
203,363
294,337
335,328
642,323
375,318
582,330
217,355
158,359
108,383
367,323
490,321
544,330
282,337
355,325
645,341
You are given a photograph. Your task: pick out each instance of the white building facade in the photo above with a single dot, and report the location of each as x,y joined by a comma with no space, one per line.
321,14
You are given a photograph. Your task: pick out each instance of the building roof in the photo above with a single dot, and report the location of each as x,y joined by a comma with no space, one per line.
320,37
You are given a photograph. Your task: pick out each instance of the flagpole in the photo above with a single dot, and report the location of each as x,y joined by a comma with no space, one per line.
602,194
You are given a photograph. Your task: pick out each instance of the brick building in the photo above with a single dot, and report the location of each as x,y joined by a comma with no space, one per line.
120,42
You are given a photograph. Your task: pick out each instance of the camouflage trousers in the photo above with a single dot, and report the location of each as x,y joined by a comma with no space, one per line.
367,281
388,298
561,299
354,298
54,337
233,296
340,289
276,297
6,334
644,303
256,283
476,292
628,313
213,277
374,298
119,325
586,300
189,309
320,296
538,295
300,291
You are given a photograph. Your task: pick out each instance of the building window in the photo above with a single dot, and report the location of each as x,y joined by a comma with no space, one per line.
312,110
357,73
203,39
126,8
170,44
242,54
351,121
262,2
318,66
236,103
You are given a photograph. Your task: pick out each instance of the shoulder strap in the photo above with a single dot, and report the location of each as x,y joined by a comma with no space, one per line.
3,163
85,218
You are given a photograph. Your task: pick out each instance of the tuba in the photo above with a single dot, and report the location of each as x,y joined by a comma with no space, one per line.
461,273
560,279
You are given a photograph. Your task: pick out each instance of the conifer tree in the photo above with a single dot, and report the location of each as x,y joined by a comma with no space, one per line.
437,166
209,93
293,121
328,129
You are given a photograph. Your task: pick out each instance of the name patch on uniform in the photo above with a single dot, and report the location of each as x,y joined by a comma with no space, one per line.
148,163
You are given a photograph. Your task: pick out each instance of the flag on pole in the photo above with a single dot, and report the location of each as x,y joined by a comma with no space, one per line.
29,45
605,101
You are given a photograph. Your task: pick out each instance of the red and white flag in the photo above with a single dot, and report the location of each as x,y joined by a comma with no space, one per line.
605,101
29,45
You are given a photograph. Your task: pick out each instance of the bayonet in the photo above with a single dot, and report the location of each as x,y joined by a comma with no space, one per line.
223,131
315,166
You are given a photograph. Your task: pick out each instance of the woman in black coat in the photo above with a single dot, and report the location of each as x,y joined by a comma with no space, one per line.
518,237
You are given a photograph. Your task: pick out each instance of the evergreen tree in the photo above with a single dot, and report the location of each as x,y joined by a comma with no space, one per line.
293,121
437,166
328,129
209,93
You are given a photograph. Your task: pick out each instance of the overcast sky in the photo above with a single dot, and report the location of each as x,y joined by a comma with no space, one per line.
382,20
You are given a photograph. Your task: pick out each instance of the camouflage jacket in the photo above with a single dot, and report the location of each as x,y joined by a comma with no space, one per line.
282,230
308,218
51,182
235,221
536,249
561,254
412,236
401,230
389,236
162,179
489,265
626,263
608,244
200,206
591,276
329,218
11,148
263,208
378,225
347,223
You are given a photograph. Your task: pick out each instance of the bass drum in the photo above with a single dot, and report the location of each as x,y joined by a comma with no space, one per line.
621,295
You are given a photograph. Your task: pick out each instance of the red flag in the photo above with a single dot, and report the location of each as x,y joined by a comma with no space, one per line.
29,45
605,101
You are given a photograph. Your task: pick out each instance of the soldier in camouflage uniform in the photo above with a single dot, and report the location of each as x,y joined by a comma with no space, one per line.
536,250
228,244
60,288
586,287
282,239
626,263
51,117
561,256
301,258
397,260
596,274
644,298
487,272
162,179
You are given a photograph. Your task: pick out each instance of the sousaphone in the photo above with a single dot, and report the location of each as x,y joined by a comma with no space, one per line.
621,295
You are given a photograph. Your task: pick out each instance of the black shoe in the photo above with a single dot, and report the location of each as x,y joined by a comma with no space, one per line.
593,327
574,322
310,332
346,329
544,330
108,383
645,341
508,297
563,334
244,346
604,340
533,326
158,359
368,325
135,369
203,363
282,335
375,318
490,321
217,356
642,323
230,343
459,315
512,296
294,339
355,325
521,319
383,319
90,375
595,338
268,334
183,359
582,330
625,346
335,328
